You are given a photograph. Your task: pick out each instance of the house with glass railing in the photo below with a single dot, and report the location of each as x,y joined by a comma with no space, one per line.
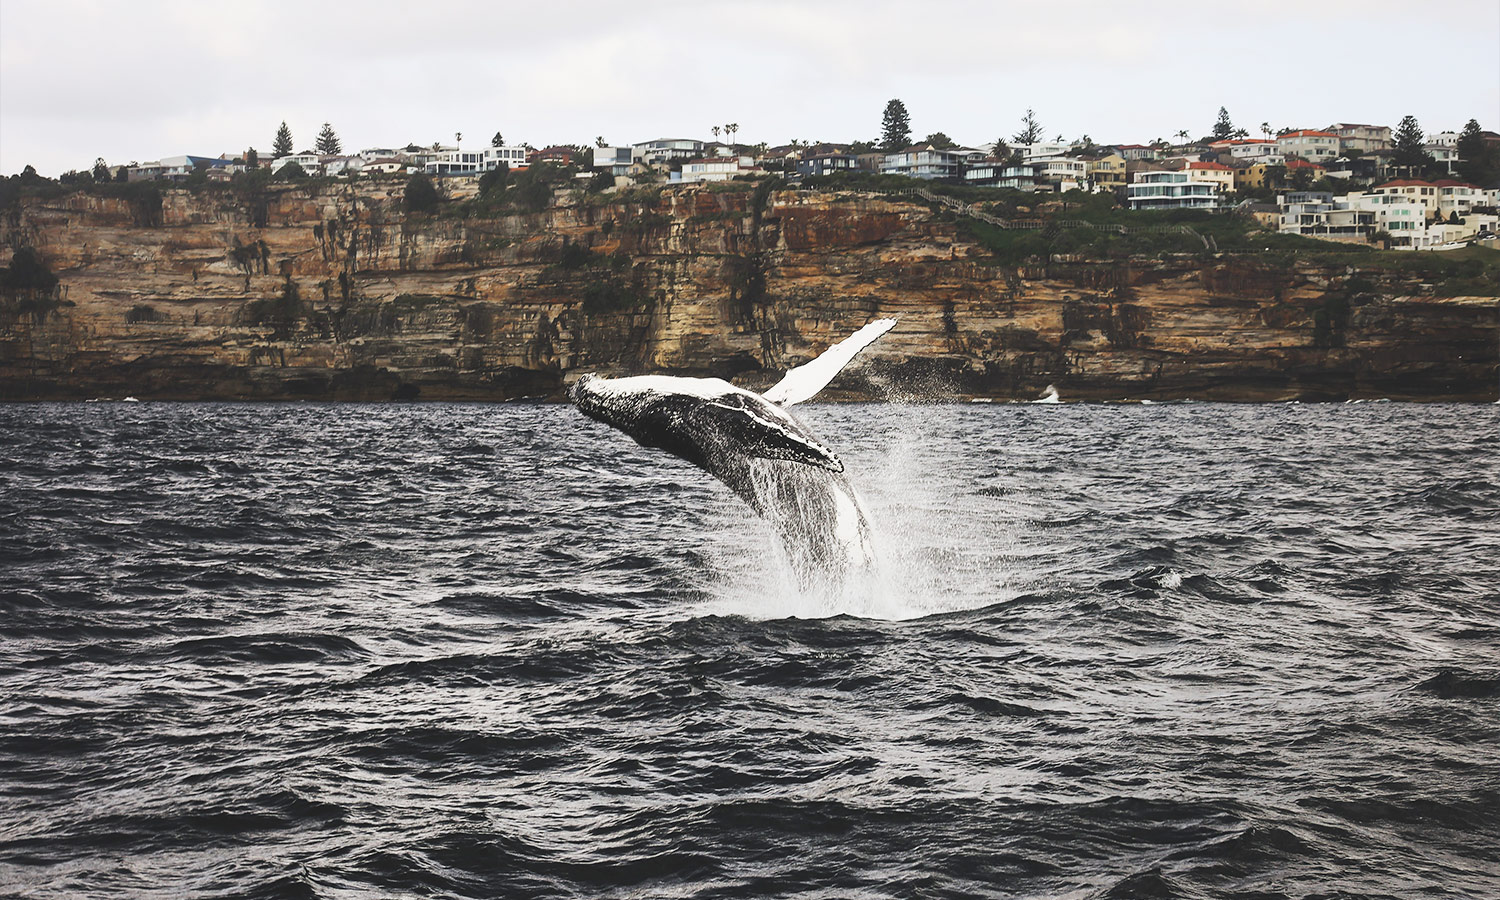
1173,190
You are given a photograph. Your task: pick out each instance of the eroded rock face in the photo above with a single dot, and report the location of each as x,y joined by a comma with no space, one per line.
337,293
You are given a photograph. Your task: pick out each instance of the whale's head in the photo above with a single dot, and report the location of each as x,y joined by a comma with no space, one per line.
587,394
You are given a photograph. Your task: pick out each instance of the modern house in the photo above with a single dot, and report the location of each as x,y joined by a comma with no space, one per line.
615,160
513,157
665,151
1017,176
1318,215
924,161
827,164
1172,190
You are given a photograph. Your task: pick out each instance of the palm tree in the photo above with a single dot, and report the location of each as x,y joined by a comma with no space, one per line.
715,130
731,129
599,141
1183,134
458,138
1265,129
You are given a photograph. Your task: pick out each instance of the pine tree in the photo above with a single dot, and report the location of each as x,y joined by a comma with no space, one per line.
1223,128
895,127
282,145
1477,163
1031,129
497,140
1407,146
328,142
101,171
252,159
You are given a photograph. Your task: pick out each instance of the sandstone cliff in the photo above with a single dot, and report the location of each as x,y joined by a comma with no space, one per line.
335,292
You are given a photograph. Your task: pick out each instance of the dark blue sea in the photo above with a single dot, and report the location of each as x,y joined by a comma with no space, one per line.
499,651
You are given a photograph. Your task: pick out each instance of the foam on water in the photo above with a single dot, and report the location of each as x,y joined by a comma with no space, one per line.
930,550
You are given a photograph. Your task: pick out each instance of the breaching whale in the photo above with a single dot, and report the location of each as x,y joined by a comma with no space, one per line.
752,443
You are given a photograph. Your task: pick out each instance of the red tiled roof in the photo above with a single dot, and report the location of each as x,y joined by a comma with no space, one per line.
1306,133
1405,182
1218,167
1295,163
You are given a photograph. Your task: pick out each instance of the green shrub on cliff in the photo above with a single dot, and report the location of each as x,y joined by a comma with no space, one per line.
421,195
27,274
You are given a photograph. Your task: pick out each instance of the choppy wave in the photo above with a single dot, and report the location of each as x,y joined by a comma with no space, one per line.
1116,651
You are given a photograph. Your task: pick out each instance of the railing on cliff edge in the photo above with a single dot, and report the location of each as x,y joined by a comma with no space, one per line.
973,212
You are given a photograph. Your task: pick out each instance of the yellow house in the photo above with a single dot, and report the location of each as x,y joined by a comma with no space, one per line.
1255,176
1212,171
1108,173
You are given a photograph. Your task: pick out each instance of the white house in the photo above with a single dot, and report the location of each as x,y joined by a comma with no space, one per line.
1313,146
1060,173
1042,149
513,157
342,165
311,163
1403,217
1172,190
383,166
1320,215
1252,150
455,162
714,168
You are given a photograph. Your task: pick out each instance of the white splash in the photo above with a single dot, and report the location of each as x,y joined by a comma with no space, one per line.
932,545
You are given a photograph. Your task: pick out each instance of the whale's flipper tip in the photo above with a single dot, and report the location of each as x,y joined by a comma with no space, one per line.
805,381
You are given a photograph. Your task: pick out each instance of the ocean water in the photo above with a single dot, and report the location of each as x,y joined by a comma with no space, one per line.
470,651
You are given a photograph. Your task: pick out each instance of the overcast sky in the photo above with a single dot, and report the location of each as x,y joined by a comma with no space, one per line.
142,80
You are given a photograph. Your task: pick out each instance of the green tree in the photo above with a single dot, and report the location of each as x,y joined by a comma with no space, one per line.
498,140
494,181
940,141
252,159
328,142
101,171
291,172
421,195
1477,161
895,127
1223,128
282,145
1407,150
1031,129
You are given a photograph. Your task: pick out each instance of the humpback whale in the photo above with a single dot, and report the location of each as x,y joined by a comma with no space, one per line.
756,447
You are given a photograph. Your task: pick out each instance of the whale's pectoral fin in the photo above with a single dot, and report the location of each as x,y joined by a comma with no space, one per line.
804,382
755,435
